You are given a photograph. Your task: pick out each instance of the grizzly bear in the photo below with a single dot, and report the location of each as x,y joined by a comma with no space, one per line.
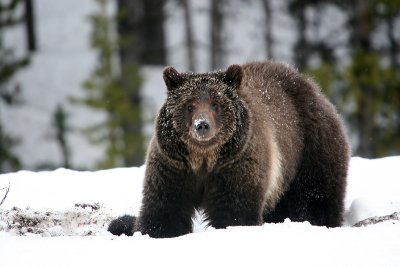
255,143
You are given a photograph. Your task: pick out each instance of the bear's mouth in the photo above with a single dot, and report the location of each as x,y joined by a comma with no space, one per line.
203,142
202,139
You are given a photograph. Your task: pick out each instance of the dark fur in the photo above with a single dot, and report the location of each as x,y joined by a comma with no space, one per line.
279,152
122,225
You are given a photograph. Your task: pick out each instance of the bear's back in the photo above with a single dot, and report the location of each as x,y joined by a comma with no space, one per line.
273,80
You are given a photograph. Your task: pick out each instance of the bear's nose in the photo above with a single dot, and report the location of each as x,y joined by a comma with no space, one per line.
202,127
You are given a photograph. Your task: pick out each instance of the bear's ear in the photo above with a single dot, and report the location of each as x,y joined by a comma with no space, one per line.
172,78
233,75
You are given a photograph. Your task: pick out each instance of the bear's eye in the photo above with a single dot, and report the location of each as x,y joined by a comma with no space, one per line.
215,106
189,108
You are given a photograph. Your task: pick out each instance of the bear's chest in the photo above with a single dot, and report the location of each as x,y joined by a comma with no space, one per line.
202,163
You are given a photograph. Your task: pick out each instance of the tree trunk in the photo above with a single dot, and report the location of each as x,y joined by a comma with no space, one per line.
190,45
60,124
364,125
217,18
141,26
269,42
361,25
393,45
30,25
153,32
301,49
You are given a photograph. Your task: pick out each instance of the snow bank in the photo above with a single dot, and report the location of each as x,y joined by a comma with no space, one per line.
373,188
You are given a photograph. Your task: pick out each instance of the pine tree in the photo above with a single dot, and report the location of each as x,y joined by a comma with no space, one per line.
141,42
9,66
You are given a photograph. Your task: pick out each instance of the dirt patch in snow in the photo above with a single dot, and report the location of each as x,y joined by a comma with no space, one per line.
82,220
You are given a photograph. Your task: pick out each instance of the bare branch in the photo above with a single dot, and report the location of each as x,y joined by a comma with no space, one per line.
8,189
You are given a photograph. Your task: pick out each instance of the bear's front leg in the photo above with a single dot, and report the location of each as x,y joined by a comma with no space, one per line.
167,209
234,200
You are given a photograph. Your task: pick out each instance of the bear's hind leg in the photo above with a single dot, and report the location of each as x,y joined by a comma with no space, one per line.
318,205
318,190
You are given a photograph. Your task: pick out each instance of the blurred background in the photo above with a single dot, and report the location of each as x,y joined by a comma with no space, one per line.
81,81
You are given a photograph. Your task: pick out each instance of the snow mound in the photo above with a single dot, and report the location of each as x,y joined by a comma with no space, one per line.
373,188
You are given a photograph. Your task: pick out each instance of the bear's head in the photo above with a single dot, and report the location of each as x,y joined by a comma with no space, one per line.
204,108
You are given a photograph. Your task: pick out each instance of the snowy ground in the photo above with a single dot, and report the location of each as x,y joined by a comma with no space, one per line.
59,218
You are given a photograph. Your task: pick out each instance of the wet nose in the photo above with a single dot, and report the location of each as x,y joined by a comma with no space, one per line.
202,126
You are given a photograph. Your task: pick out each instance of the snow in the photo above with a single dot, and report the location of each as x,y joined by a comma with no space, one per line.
293,244
59,218
373,188
62,189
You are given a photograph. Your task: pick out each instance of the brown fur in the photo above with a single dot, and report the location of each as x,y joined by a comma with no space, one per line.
274,147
